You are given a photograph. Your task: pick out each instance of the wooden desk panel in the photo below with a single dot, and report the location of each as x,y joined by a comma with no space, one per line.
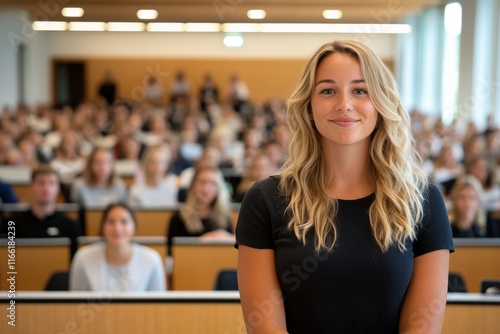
234,218
34,265
468,319
207,318
475,263
22,192
187,318
196,266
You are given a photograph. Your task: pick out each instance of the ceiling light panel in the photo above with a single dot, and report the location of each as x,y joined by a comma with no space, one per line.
87,26
165,27
202,27
49,25
126,26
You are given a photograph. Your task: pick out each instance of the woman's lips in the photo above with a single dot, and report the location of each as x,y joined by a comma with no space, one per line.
345,121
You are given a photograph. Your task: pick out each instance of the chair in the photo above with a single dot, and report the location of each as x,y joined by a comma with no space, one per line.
59,281
456,283
226,280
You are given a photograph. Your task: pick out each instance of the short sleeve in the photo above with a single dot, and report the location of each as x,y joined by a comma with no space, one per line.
254,228
434,232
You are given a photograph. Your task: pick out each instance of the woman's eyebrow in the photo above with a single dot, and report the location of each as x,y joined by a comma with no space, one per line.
330,81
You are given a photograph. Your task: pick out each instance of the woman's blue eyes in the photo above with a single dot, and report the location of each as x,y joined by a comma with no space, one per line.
357,91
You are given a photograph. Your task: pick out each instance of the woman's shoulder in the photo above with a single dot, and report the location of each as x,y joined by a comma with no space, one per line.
92,251
146,253
265,191
431,192
271,184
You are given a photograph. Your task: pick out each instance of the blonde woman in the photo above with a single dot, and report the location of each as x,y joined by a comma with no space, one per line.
349,237
156,187
466,199
99,185
206,211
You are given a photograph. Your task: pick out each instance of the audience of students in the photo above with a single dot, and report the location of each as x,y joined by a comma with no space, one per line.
203,129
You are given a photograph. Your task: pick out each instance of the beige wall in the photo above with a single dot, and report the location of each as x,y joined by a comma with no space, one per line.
283,52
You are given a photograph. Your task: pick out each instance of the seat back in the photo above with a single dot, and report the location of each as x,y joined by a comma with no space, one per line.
227,280
59,281
456,283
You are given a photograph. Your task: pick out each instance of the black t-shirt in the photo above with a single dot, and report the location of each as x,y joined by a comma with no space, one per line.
177,228
56,225
355,288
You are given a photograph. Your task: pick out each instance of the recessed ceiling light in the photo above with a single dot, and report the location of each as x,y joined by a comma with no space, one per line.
72,12
147,14
49,25
256,14
332,14
233,41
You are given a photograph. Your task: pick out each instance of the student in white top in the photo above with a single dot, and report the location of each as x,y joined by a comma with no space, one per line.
99,186
154,187
117,264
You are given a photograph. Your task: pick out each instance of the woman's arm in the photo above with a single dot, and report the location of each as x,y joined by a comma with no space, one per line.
260,293
425,301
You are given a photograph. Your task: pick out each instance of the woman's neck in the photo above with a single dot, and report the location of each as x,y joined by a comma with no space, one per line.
203,211
102,183
153,180
463,223
118,255
350,171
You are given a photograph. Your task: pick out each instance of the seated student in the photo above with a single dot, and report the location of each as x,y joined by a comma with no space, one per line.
68,161
206,211
117,264
155,187
99,186
446,168
479,167
42,220
258,168
7,193
466,200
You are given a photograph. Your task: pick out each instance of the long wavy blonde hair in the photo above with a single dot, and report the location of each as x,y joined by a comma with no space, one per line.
397,178
220,207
